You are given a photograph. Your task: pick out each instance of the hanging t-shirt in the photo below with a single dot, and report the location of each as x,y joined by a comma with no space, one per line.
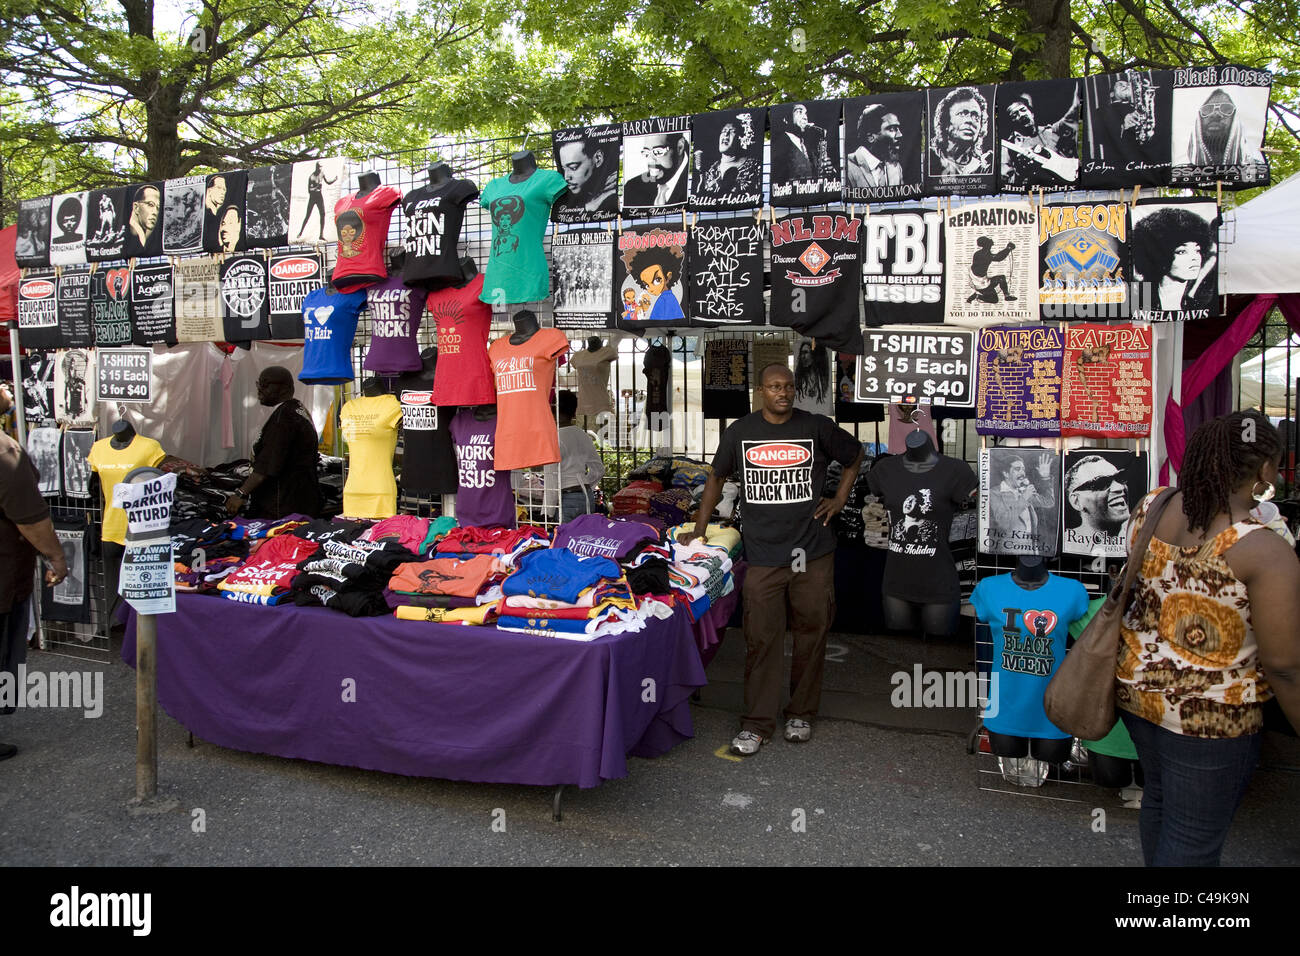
725,279
782,469
806,169
74,388
69,600
198,299
920,567
38,311
726,379
68,232
183,215
1029,629
526,431
43,448
369,426
658,368
329,322
1018,390
434,215
247,312
484,496
1106,381
516,269
73,308
1127,129
428,456
1038,134
463,322
110,307
106,224
816,278
144,221
112,465
76,464
593,379
649,277
902,266
395,312
291,278
317,185
267,206
1174,259
153,312
362,223
32,242
813,391
224,213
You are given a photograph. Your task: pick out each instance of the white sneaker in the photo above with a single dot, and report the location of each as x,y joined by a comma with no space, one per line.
798,731
746,743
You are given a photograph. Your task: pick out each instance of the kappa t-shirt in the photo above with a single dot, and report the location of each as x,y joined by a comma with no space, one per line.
428,456
114,464
329,324
526,431
920,567
369,426
362,224
484,496
782,469
516,269
463,323
395,312
1029,629
434,215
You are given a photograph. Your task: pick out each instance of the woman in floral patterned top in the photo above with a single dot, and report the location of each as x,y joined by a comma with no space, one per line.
1209,634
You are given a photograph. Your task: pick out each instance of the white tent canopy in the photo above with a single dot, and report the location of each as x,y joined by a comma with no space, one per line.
1267,375
1259,242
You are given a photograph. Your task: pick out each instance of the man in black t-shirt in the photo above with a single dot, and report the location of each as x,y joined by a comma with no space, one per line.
283,481
781,455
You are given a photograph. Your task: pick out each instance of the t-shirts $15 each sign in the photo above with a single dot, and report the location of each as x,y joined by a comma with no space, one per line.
913,364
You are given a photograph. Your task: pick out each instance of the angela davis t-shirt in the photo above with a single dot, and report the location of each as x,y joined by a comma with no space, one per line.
782,469
920,567
516,269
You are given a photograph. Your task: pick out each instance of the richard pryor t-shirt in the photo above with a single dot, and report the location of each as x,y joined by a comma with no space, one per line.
362,224
463,323
526,431
782,469
516,269
920,567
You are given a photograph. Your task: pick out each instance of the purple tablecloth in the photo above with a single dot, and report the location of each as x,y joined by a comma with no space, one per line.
432,700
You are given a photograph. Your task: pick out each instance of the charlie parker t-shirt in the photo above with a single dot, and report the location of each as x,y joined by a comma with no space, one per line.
920,567
782,469
526,431
516,269
1029,630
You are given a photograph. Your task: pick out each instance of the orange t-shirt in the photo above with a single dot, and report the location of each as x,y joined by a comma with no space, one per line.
452,577
526,431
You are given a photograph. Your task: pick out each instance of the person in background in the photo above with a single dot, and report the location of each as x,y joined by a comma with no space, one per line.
1210,633
25,529
580,466
283,481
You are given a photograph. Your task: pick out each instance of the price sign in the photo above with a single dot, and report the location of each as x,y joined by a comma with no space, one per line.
917,364
124,375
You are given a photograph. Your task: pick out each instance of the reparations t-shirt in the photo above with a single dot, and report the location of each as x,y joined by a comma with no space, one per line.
782,469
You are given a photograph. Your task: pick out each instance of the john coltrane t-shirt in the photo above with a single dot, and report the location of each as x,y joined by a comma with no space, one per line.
782,469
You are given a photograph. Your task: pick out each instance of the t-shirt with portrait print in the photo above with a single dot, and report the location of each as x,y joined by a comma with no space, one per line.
362,224
920,566
516,269
526,431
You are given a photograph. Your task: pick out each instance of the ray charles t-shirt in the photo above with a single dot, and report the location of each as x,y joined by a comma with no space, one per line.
516,269
782,469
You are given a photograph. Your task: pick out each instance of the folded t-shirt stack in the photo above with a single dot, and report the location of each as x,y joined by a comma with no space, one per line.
203,553
673,505
698,574
508,544
349,576
471,585
556,593
266,576
597,536
415,534
635,497
325,529
254,529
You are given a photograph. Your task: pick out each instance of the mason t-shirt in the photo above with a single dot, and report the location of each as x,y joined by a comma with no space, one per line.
782,469
516,269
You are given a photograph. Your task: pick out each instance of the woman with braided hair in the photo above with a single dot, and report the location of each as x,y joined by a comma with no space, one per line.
1210,633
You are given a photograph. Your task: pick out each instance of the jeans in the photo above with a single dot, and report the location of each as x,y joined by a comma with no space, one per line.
1193,786
574,503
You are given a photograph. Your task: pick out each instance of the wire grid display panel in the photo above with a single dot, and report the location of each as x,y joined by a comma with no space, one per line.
89,641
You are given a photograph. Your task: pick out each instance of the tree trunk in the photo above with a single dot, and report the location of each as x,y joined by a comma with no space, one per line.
162,150
1050,20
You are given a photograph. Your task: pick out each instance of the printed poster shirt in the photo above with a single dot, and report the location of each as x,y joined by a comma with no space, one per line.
463,323
516,269
362,224
1018,391
782,469
526,431
1029,630
369,426
816,278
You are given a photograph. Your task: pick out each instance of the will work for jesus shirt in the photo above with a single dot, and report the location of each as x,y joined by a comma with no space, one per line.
1029,628
782,469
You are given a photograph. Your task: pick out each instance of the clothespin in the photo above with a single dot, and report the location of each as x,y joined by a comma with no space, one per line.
1136,190
695,219
771,213
853,211
1218,192
866,212
683,220
758,214
620,225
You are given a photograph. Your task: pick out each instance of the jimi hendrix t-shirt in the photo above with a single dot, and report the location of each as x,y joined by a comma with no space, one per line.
516,269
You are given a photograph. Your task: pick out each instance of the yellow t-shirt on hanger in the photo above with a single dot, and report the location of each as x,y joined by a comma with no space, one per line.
114,464
369,426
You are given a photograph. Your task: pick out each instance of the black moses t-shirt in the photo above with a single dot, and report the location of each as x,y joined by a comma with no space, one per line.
782,469
920,567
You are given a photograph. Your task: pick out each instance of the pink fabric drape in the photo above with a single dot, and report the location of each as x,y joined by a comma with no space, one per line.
227,417
1213,361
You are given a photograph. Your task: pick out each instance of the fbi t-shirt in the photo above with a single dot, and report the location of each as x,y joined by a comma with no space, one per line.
516,269
782,469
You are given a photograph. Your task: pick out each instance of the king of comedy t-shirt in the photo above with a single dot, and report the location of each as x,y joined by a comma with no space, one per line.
782,470
516,269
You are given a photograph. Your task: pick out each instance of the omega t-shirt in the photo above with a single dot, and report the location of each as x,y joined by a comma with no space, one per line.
329,324
428,457
782,469
433,219
463,323
395,312
362,224
526,431
920,566
516,269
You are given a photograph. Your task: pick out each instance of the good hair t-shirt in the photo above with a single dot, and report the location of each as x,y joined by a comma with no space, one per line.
516,269
329,324
463,323
526,431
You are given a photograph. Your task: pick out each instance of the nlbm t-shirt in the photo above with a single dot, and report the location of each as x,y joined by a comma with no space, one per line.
782,469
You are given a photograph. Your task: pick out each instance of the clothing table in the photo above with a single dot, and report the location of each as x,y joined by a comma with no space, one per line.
431,700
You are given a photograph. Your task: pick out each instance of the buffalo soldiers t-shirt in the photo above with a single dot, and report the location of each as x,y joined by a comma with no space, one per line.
428,455
395,311
329,324
920,567
434,215
815,278
782,469
516,269
362,223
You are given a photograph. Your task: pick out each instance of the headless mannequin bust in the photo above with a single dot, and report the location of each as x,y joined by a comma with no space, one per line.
367,183
439,173
372,387
939,619
468,268
525,326
483,413
524,164
123,434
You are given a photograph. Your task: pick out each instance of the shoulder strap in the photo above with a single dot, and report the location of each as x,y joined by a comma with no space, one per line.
1149,521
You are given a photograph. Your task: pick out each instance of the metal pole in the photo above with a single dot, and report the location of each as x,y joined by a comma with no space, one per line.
146,707
20,418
